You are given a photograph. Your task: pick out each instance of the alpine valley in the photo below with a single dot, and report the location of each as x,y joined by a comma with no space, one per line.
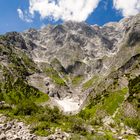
72,81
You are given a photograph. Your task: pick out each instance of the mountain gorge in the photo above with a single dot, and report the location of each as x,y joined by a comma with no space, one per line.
90,72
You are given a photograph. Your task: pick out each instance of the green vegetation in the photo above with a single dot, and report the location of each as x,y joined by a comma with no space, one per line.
55,76
133,123
2,37
42,129
25,107
42,98
133,99
14,93
130,137
17,62
134,91
134,94
90,83
55,63
77,80
93,137
24,101
114,100
21,99
103,105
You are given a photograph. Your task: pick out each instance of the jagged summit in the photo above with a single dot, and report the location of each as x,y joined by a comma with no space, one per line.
78,49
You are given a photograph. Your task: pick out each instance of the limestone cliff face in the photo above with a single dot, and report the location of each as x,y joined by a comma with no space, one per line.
78,52
85,69
72,56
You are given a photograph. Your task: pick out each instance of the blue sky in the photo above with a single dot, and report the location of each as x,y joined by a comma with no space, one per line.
104,13
10,20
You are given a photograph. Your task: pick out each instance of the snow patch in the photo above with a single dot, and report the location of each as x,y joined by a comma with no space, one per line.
69,104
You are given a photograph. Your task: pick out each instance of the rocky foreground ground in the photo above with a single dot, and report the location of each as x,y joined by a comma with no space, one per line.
17,130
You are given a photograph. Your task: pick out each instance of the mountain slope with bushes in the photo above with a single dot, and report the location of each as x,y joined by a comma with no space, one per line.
73,79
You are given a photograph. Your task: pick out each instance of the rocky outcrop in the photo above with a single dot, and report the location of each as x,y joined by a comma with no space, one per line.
73,62
58,135
14,130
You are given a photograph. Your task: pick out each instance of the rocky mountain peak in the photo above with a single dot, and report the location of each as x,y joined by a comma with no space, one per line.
87,69
76,49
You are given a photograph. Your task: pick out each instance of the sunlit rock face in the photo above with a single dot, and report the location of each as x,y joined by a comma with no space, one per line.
74,42
72,56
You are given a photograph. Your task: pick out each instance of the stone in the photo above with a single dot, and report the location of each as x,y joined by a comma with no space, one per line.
3,137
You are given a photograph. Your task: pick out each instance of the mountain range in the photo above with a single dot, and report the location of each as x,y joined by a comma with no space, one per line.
87,77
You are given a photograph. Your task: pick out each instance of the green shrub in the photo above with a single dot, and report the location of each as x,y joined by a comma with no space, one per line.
101,106
77,79
130,137
42,98
55,76
76,137
42,129
114,100
133,123
78,126
90,83
26,107
134,85
134,91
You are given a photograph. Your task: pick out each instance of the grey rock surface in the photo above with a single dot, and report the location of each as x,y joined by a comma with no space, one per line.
14,130
76,49
70,54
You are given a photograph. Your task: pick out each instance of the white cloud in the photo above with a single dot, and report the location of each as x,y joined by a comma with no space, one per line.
24,16
75,10
127,7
